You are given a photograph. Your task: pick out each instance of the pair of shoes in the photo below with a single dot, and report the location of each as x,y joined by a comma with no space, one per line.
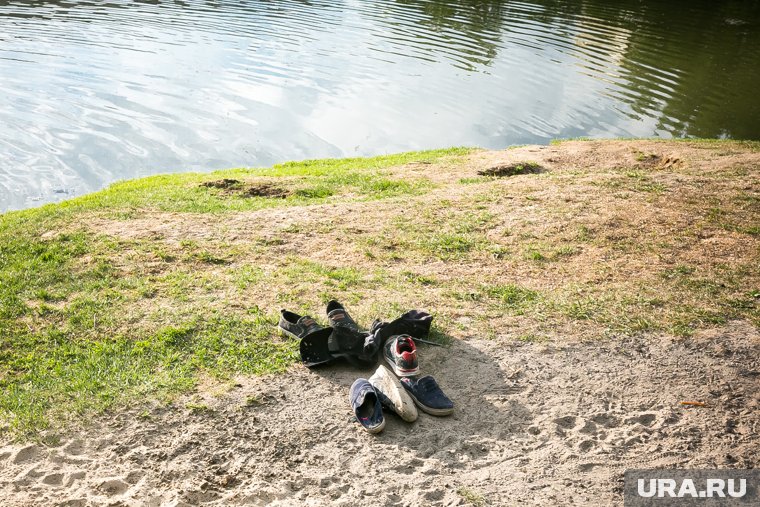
401,353
297,326
383,389
321,345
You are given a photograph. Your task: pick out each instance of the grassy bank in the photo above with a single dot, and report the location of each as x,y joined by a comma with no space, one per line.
144,288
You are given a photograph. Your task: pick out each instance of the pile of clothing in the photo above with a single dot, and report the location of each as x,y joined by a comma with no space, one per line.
399,388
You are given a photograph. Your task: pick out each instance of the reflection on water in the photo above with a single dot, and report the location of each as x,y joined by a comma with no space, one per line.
95,91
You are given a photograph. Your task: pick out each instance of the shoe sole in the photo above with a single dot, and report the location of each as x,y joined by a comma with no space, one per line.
287,333
400,371
433,411
385,382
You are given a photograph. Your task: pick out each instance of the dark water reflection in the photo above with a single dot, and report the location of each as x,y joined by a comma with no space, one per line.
92,91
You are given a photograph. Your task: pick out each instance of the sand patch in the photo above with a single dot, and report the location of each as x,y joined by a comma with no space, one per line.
535,423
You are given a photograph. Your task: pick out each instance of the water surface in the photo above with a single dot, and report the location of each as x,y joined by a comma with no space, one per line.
96,91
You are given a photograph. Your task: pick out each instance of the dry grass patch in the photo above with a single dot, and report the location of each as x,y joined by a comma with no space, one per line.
591,238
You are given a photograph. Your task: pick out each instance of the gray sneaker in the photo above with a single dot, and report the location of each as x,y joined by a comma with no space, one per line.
296,326
400,353
337,316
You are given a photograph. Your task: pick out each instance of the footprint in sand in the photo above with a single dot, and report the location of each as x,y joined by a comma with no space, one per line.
534,430
587,467
605,420
135,476
198,497
54,479
113,487
589,428
586,445
643,419
73,502
260,497
75,476
75,448
434,494
28,454
392,499
584,434
565,422
412,464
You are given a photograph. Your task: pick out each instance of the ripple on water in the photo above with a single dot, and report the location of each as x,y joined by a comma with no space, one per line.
96,91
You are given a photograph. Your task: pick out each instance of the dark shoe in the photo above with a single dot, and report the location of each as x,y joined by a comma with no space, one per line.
366,405
415,323
337,316
401,353
392,395
314,348
428,396
332,343
296,326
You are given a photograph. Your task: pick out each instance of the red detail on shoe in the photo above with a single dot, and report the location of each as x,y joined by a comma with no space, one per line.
408,356
405,344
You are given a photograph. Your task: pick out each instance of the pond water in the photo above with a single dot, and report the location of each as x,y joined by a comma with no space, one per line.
96,91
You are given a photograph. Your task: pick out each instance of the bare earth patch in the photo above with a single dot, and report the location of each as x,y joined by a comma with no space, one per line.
539,424
236,187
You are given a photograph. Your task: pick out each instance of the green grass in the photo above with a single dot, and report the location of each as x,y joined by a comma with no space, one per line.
315,181
471,497
532,338
447,245
92,320
512,297
474,180
441,231
79,334
555,142
51,377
